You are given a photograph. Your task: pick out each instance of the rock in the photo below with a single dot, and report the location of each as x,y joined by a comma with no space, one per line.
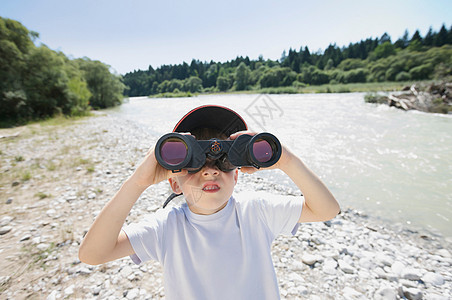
15,183
433,278
51,212
9,201
5,229
6,220
346,267
25,238
329,266
444,253
412,293
54,295
385,293
350,293
433,296
310,259
384,259
366,263
42,246
411,274
397,267
69,290
133,293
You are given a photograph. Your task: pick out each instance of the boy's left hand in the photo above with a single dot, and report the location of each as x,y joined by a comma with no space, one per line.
281,162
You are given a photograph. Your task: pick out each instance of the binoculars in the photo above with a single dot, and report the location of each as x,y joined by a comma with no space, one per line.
175,152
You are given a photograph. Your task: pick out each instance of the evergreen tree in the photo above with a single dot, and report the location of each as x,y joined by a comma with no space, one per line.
441,37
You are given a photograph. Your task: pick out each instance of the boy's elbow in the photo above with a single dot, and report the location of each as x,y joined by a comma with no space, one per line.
330,214
86,257
334,212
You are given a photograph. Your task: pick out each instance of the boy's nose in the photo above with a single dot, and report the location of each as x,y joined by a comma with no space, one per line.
210,171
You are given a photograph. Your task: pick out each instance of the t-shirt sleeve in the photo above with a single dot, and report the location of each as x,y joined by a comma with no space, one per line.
281,213
146,239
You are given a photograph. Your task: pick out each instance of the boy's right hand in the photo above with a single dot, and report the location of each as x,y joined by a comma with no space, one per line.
150,172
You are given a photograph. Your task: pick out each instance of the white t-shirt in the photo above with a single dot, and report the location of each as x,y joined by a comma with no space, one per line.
226,255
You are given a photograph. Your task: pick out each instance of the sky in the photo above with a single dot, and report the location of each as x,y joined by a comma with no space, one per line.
130,35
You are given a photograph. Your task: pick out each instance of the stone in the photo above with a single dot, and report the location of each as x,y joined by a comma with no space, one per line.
69,290
346,267
412,293
6,220
329,266
444,253
350,293
397,267
54,295
133,293
411,274
25,238
433,278
310,259
385,293
9,201
5,229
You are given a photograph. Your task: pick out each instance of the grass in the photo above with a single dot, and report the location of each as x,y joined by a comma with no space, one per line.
299,88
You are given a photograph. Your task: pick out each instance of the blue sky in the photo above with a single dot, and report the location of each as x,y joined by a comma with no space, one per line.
134,34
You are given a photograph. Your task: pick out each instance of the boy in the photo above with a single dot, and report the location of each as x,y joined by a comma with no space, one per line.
213,246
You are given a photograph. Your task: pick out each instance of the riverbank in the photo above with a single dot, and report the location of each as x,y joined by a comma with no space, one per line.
304,89
56,178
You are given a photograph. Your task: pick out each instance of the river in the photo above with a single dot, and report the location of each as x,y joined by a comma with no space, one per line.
390,164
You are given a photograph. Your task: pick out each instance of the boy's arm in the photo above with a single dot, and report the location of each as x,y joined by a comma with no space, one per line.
319,204
105,241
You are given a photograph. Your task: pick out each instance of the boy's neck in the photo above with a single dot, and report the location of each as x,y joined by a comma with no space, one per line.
200,211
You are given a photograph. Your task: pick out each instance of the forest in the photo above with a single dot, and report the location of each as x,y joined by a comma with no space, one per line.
409,58
37,82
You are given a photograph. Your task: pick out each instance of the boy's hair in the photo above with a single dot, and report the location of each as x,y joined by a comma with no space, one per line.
208,133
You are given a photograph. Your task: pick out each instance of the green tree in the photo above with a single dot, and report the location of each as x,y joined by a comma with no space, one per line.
384,50
15,44
193,84
106,88
242,76
223,83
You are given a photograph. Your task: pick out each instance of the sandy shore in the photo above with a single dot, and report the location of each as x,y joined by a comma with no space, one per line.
56,178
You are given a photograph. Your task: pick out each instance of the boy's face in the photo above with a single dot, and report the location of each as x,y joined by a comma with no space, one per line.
206,191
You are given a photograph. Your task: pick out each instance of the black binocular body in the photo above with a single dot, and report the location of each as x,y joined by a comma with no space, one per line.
176,151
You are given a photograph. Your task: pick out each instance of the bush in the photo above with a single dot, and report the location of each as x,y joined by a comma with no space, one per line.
421,72
403,76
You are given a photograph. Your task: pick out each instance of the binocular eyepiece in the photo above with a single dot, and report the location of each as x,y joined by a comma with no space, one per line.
175,152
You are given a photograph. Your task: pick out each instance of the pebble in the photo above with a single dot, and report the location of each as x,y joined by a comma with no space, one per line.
349,257
433,278
310,259
411,274
5,229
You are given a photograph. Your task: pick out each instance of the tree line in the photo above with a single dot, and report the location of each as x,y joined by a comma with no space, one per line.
370,60
37,82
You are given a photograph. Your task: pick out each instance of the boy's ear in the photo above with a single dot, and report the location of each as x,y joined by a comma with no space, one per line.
175,185
236,175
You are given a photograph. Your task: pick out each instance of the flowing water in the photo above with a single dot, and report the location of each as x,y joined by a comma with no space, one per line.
391,164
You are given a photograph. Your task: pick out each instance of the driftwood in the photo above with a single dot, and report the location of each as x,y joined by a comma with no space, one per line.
435,98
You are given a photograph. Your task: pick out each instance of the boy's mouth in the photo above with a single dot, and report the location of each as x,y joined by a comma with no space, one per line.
211,187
